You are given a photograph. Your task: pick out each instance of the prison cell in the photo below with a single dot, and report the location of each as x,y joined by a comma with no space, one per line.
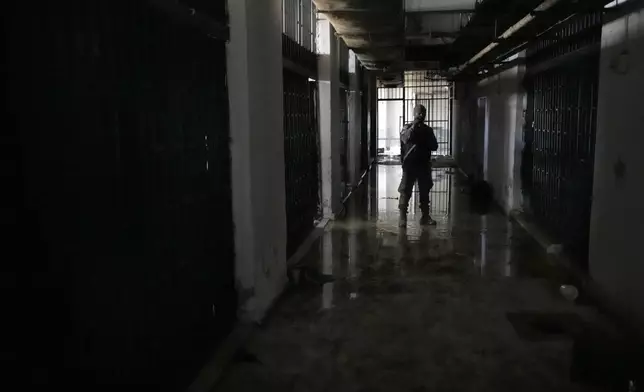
130,148
562,81
301,155
301,138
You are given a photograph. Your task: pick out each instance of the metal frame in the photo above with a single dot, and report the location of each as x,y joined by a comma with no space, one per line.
437,94
301,157
562,81
301,136
299,22
137,232
440,195
298,37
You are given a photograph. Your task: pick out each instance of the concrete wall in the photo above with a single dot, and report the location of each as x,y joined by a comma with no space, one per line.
354,104
617,220
257,143
329,118
505,97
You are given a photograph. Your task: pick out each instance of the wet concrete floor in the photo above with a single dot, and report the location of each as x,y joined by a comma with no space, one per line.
472,304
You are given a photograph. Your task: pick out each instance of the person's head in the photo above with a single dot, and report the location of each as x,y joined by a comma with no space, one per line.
419,113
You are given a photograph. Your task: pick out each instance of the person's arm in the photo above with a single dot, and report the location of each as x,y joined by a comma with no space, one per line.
406,141
406,133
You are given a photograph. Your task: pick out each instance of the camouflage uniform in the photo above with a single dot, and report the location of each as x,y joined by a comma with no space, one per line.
417,141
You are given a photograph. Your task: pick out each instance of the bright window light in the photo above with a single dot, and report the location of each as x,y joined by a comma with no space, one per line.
615,3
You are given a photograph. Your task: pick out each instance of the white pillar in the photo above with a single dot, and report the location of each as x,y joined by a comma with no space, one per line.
257,144
329,119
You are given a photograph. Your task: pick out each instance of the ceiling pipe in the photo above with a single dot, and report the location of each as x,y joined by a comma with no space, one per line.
546,5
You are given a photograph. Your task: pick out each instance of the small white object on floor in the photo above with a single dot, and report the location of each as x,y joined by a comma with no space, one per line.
555,249
569,292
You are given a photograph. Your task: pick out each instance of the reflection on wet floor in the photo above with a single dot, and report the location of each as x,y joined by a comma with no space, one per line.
486,241
445,308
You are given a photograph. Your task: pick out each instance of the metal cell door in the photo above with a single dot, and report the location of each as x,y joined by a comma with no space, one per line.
301,136
127,165
562,81
435,92
301,154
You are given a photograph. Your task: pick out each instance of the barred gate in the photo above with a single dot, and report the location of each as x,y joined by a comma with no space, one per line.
440,195
301,136
435,92
122,110
301,154
562,80
427,88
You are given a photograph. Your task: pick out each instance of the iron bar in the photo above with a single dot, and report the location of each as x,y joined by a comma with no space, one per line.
301,156
562,79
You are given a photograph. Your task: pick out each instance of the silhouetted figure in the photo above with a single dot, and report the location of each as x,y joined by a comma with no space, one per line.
417,141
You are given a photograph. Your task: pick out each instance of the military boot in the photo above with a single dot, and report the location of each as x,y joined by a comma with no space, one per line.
402,221
426,219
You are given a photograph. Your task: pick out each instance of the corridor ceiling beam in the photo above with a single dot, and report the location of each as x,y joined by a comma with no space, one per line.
546,5
388,35
438,12
532,24
373,29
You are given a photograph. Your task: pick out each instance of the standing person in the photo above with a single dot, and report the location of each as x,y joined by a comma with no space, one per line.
417,141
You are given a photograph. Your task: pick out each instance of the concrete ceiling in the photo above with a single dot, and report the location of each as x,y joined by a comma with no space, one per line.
396,35
438,5
379,31
373,29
